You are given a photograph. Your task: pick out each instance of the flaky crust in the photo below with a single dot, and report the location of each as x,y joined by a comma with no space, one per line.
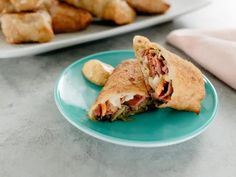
126,78
66,18
187,79
27,27
149,6
115,10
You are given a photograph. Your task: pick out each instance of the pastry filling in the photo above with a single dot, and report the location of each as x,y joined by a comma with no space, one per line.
120,108
155,68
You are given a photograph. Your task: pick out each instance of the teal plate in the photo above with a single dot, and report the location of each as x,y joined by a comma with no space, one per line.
74,95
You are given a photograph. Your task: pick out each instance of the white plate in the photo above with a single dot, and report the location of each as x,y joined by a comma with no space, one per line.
98,31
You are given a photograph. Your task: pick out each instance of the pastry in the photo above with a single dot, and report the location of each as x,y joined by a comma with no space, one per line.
149,6
27,27
124,94
170,80
115,10
66,18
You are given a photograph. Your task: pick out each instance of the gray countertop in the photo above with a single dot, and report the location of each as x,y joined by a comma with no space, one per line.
36,141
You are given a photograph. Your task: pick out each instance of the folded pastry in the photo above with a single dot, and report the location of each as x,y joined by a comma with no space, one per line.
170,80
115,10
66,18
124,94
149,6
27,27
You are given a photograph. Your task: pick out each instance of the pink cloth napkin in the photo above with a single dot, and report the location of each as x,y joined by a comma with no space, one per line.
215,50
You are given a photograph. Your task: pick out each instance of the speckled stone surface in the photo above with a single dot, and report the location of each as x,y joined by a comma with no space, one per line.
36,141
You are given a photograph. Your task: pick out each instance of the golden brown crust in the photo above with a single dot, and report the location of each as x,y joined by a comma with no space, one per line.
48,4
126,78
119,11
27,5
13,6
96,7
115,10
6,7
149,6
27,27
187,79
66,18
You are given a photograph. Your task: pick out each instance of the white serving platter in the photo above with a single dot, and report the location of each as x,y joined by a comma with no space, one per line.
98,31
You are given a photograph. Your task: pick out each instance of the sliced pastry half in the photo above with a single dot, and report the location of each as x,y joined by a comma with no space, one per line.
171,81
124,94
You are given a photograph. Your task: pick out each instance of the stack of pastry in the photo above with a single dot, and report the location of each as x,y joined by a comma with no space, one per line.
38,20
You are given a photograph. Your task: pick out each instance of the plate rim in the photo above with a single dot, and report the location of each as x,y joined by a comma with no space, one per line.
132,143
